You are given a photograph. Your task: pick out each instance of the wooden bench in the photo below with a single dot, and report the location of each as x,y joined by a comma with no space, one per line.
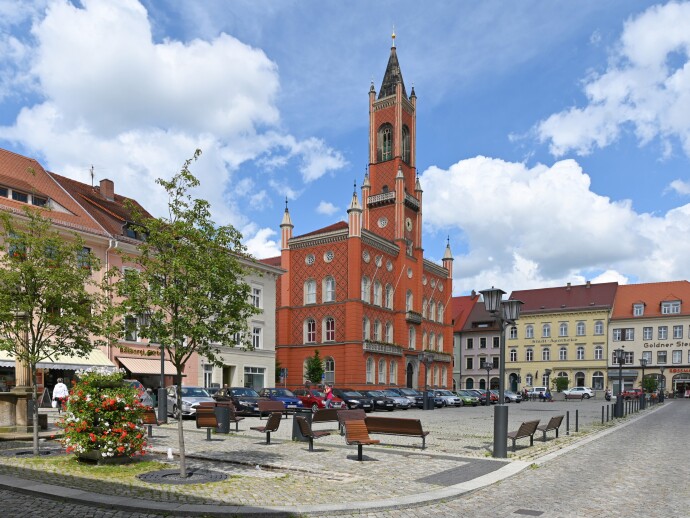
553,424
527,429
306,431
149,419
271,425
234,418
325,415
269,406
574,396
396,426
344,416
206,418
356,433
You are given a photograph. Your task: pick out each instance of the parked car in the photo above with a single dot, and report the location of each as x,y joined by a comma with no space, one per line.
534,392
212,391
144,396
244,399
415,396
401,402
354,399
315,399
511,397
191,398
467,398
381,401
449,399
585,392
285,396
481,394
632,393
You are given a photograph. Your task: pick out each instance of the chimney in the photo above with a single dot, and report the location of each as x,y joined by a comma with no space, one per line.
567,288
589,285
107,189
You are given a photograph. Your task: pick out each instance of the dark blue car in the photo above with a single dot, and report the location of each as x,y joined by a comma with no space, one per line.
285,396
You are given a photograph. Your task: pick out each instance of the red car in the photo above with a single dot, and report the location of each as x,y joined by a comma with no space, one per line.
315,399
633,393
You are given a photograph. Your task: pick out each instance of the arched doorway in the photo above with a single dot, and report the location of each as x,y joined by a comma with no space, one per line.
469,383
681,383
409,379
513,381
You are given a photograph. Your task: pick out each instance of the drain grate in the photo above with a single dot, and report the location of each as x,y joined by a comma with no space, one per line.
172,476
529,512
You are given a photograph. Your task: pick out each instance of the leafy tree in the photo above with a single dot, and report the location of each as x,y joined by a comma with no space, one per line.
314,368
50,301
190,284
649,384
561,384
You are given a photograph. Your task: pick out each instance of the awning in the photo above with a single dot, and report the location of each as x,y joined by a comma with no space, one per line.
146,366
96,358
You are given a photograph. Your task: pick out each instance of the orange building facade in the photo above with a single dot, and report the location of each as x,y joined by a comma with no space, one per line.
360,292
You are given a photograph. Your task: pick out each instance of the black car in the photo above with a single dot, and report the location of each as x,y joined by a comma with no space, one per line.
381,402
245,400
419,399
354,399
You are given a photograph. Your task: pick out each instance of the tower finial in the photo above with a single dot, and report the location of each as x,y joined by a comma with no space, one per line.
393,35
286,204
448,240
355,187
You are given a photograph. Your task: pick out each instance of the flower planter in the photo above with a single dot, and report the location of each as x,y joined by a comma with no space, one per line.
96,457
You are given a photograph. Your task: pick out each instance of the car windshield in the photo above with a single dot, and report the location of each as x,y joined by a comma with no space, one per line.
375,393
444,393
352,393
390,393
245,392
282,392
317,393
194,392
409,392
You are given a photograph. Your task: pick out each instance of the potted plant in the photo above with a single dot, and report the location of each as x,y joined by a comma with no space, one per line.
102,422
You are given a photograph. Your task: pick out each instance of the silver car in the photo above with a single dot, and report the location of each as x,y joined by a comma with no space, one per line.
511,397
191,398
400,401
449,399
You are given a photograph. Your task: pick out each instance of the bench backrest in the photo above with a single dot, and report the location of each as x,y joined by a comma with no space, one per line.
325,414
356,432
149,416
206,417
304,427
271,406
554,422
527,428
394,425
357,414
274,421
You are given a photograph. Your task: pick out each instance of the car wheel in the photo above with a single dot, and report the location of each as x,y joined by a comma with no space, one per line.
587,396
462,403
314,407
507,400
176,412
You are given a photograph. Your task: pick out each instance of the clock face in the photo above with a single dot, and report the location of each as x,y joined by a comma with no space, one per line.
408,224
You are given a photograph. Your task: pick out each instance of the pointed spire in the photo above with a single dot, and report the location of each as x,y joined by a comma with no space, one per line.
286,216
366,183
400,173
448,256
393,76
412,94
354,204
417,185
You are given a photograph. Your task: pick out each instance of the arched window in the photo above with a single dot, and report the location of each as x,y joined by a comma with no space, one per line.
546,354
409,301
444,376
580,329
384,143
598,380
562,374
310,291
384,189
370,370
580,379
377,331
365,329
580,353
563,353
469,383
528,380
393,375
563,329
406,144
544,380
382,371
513,355
598,327
440,312
377,293
366,289
529,331
546,331
412,338
329,329
329,370
482,384
329,289
432,341
439,342
424,308
389,332
425,342
529,354
513,332
309,331
598,352
432,310
389,296
436,376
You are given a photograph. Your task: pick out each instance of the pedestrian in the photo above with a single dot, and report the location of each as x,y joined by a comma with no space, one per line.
329,395
60,394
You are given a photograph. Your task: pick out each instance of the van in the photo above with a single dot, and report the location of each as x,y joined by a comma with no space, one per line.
535,391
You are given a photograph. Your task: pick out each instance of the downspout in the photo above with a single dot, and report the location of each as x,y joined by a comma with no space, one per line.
112,244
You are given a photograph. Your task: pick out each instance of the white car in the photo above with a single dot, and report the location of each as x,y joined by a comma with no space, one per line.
449,399
585,392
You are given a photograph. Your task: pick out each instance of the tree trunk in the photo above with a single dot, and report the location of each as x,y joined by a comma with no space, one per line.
34,398
180,429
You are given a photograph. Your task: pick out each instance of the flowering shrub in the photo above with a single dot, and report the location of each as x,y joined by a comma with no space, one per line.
103,413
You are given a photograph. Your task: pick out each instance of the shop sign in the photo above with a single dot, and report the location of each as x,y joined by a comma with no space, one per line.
549,341
678,370
670,344
139,352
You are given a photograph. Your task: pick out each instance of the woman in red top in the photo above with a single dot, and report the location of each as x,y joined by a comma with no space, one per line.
329,396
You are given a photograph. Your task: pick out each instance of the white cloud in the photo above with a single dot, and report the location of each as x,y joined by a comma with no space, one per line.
646,88
327,208
680,186
533,227
260,245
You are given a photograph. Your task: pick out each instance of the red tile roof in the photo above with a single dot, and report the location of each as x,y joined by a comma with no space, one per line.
584,296
340,225
271,261
480,319
651,295
461,308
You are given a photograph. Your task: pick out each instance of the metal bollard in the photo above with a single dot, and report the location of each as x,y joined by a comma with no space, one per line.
577,421
567,422
602,415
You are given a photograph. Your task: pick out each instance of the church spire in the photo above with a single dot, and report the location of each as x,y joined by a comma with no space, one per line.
393,75
286,227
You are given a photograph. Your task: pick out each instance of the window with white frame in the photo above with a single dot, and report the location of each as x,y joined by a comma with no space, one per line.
546,354
677,331
411,338
377,331
580,329
436,376
563,329
409,301
662,332
256,297
131,328
529,331
257,341
661,357
513,333
580,352
544,379
529,354
598,327
439,342
370,370
482,342
329,289
528,380
598,352
647,333
432,341
365,329
366,289
647,356
432,310
389,296
393,374
670,308
513,355
469,363
444,376
310,292
208,375
425,308
382,371
439,312
546,331
237,339
629,357
329,370
310,331
329,329
425,340
563,353
598,380
469,343
638,310
677,356
496,340
377,293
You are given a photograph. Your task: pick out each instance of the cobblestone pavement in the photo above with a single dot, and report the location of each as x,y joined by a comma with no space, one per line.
284,473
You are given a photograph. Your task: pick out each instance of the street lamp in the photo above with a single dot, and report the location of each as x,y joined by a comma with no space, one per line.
547,372
506,312
643,401
620,358
487,366
146,319
427,359
662,385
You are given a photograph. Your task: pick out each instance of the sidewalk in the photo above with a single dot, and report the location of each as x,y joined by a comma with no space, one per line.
284,477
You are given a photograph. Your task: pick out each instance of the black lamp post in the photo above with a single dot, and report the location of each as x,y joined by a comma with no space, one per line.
146,320
547,372
427,359
662,385
506,312
643,401
620,358
487,366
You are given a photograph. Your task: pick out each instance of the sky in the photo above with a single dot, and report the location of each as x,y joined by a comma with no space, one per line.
553,137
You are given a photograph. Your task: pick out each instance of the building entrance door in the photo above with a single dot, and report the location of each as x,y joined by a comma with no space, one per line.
410,376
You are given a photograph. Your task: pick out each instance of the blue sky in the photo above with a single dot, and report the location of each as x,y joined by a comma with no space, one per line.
553,136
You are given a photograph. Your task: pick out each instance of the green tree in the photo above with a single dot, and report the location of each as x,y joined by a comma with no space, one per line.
649,384
561,384
50,301
314,368
190,283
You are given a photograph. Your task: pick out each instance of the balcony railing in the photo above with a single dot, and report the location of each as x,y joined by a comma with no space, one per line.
413,317
382,348
382,198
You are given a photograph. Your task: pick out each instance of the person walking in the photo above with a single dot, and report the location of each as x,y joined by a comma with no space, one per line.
329,395
60,394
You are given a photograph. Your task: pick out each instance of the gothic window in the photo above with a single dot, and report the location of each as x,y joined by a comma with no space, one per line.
384,144
406,144
393,374
329,289
439,342
440,312
382,371
408,301
432,341
377,331
366,289
432,310
370,370
412,338
377,293
310,292
389,296
424,308
310,331
329,330
329,370
365,328
389,332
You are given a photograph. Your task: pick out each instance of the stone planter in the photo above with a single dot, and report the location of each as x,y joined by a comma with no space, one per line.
96,457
